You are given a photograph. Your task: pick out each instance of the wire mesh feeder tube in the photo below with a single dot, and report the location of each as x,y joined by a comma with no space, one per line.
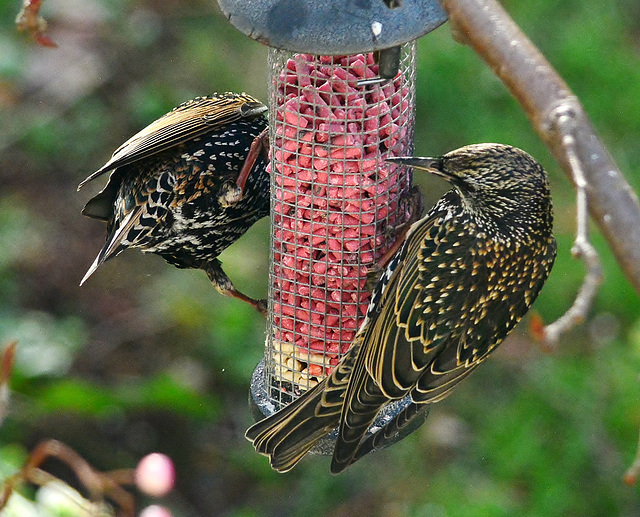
336,207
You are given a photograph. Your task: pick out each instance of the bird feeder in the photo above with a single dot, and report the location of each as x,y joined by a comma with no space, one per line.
342,98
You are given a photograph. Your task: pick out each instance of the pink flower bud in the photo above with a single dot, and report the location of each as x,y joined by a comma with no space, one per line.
155,511
155,474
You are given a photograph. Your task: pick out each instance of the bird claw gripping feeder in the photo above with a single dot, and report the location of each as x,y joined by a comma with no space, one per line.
342,83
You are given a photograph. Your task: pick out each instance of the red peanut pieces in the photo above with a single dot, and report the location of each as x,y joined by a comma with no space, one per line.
336,203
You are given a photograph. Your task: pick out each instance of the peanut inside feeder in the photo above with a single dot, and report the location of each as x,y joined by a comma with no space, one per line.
336,204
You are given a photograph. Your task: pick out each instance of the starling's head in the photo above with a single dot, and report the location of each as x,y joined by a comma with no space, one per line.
494,181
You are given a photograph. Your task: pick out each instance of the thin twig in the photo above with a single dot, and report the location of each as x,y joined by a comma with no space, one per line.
631,475
6,367
97,483
582,247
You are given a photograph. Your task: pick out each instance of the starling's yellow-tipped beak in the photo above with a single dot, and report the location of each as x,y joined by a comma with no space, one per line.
433,165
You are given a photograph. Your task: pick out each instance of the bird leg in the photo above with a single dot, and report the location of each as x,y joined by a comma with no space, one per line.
232,191
259,144
415,207
223,284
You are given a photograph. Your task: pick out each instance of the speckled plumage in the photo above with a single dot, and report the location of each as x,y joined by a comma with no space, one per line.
466,274
173,190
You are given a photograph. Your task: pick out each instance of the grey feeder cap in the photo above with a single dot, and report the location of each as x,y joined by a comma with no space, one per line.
262,407
333,26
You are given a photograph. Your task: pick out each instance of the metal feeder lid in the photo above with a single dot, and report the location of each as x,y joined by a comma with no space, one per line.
334,26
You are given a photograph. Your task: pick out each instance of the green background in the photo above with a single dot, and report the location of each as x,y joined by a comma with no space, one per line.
146,357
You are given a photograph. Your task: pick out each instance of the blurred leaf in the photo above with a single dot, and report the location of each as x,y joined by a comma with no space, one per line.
164,393
76,395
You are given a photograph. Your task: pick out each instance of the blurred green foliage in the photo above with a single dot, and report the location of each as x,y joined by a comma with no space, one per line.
146,357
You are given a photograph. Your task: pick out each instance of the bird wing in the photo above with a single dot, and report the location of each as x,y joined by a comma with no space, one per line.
187,121
408,330
489,313
390,361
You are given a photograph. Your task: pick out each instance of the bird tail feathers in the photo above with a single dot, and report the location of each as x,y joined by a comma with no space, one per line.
286,436
114,243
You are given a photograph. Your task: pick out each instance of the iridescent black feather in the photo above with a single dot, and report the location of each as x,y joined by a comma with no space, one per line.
466,274
175,188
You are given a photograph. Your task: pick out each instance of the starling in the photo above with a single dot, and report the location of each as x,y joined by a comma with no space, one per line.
465,275
187,186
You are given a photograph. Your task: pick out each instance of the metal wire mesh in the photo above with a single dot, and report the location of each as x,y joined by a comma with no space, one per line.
336,205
